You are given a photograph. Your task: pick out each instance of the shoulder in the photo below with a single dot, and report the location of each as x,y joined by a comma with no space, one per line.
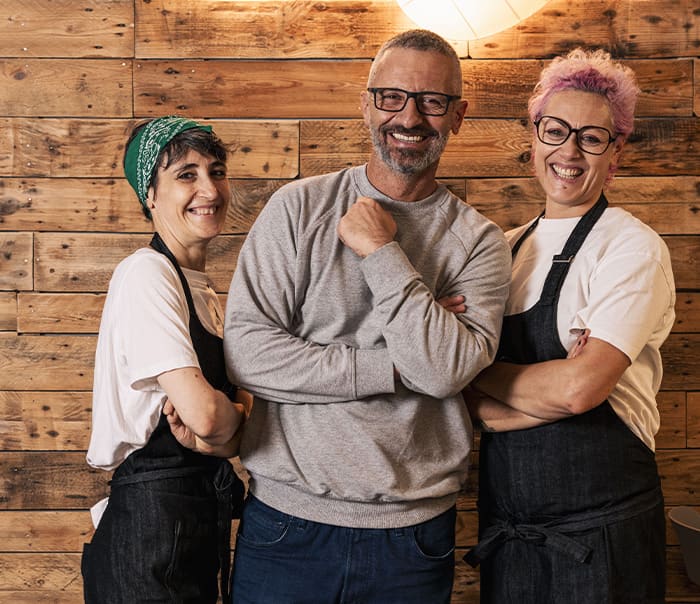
619,232
319,189
300,203
470,226
144,270
145,261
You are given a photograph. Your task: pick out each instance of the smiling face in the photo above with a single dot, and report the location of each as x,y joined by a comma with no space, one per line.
573,180
407,143
189,203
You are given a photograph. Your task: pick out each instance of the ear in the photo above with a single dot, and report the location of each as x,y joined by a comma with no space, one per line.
458,115
151,198
617,152
365,103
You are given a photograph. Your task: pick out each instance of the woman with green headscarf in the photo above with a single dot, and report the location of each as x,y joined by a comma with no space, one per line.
164,413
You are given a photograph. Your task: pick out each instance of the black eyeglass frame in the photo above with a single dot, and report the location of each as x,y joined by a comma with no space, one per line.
414,95
577,132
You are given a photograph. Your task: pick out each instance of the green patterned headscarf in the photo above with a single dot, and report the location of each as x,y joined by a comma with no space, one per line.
142,153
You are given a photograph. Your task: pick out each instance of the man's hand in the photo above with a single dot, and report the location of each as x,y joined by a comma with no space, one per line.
366,227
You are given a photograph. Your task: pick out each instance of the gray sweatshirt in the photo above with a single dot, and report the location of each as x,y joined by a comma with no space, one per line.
314,332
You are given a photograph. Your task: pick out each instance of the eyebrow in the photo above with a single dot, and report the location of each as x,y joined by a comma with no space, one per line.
189,166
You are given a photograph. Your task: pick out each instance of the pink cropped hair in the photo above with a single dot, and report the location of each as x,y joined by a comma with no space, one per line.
590,71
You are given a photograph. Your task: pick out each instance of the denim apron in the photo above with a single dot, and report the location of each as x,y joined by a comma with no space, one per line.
572,511
166,530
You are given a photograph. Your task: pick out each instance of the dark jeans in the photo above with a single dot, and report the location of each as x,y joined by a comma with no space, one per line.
282,559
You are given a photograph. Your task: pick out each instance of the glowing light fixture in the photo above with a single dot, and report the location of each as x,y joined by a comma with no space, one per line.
462,20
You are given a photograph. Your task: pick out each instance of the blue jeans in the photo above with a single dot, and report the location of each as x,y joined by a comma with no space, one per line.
282,559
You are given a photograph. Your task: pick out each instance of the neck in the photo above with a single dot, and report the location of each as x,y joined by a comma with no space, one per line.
402,187
193,257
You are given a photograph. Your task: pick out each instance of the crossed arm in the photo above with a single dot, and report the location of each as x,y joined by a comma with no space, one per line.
507,396
201,418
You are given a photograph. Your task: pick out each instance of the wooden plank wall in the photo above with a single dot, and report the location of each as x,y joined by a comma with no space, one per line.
280,81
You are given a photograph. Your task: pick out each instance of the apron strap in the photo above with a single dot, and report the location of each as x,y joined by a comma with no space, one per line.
562,262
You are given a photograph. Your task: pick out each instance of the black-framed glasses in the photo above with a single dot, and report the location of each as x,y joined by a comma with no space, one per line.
590,139
427,102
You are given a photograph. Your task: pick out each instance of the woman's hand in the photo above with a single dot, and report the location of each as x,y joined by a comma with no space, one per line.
455,304
180,431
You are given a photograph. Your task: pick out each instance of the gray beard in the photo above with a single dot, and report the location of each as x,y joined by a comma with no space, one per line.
409,162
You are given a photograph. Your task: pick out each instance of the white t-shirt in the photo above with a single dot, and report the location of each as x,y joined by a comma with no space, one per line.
144,332
620,286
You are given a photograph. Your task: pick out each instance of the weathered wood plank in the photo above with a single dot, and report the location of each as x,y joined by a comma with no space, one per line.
250,89
44,577
501,148
41,421
70,204
672,409
679,470
331,89
84,262
16,261
681,362
249,197
693,419
499,89
63,531
76,147
696,101
50,480
8,311
92,28
66,87
307,29
106,205
626,28
46,362
59,313
685,254
687,312
265,29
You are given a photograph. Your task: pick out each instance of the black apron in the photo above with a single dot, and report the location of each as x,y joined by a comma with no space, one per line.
166,531
571,511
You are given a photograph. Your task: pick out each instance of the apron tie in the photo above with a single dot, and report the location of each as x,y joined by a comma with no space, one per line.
538,534
553,534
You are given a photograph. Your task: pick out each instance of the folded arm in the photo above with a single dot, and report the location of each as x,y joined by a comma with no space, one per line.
201,418
559,388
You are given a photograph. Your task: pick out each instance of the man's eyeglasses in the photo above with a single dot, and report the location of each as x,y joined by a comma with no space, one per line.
427,102
590,139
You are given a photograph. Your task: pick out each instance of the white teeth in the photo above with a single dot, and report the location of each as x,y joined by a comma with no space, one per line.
567,172
406,138
203,211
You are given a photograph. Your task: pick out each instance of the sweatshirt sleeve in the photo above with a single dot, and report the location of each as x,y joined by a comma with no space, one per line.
262,353
436,351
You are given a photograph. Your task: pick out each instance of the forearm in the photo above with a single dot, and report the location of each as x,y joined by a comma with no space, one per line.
558,388
280,367
493,416
227,450
436,351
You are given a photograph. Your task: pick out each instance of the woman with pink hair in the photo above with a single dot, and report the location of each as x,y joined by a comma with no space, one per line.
570,503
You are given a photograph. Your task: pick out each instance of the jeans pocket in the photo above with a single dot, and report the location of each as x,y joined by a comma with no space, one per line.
261,525
435,538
